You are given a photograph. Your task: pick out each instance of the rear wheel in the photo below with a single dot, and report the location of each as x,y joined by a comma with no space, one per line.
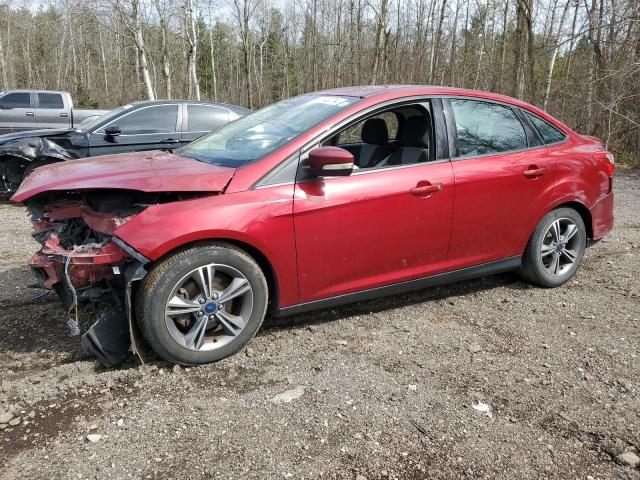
203,304
556,248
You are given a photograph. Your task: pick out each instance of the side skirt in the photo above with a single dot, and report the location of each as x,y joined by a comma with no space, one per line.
498,266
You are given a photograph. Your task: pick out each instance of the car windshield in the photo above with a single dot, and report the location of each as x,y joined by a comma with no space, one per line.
262,132
88,125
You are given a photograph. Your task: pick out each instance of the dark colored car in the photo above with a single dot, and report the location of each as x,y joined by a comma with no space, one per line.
319,200
164,124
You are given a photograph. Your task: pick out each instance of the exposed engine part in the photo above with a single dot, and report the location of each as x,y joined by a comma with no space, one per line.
80,260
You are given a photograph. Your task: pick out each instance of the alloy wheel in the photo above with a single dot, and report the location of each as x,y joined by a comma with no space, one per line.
209,307
560,246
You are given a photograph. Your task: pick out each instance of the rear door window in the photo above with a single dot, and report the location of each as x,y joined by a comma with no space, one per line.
16,100
205,118
50,100
485,128
156,119
548,132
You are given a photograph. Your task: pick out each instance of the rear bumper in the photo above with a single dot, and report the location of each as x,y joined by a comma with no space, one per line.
602,216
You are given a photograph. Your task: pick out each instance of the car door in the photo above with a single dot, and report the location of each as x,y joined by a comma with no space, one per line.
17,112
150,127
202,119
51,112
504,178
376,227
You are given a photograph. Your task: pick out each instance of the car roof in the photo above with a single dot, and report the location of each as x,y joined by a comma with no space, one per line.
365,91
31,90
235,108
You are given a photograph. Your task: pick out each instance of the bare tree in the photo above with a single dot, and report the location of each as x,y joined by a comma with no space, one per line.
192,51
3,66
129,15
162,8
556,38
244,10
380,40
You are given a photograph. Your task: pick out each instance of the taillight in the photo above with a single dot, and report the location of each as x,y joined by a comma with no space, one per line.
608,160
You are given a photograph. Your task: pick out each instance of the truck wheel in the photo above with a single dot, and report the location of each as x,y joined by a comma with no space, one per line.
555,249
203,304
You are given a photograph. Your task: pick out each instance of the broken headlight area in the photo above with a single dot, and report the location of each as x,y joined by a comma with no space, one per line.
83,262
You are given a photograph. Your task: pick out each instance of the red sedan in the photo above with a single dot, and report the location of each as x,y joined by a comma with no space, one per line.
318,200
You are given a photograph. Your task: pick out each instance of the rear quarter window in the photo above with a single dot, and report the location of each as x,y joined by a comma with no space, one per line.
548,132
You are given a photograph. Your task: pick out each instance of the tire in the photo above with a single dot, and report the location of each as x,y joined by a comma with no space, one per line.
196,337
545,246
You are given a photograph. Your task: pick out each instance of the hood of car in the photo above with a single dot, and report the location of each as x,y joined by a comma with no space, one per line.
143,171
7,137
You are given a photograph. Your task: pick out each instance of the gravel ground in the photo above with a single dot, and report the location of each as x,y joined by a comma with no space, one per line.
383,389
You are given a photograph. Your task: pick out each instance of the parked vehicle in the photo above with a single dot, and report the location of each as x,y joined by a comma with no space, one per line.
136,127
319,200
22,110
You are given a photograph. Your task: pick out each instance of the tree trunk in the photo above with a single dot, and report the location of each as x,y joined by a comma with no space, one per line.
380,40
482,41
214,79
192,38
520,42
103,60
452,60
244,13
556,46
438,41
166,66
503,46
3,67
530,57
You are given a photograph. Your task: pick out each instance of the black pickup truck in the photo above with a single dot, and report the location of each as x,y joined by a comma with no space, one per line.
149,125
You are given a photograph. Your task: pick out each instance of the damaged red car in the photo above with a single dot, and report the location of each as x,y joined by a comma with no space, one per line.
315,201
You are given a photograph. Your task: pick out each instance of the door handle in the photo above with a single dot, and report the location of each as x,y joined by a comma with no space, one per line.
534,172
29,114
63,114
423,189
170,140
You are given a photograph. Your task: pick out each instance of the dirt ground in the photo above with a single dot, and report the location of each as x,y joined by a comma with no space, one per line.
382,389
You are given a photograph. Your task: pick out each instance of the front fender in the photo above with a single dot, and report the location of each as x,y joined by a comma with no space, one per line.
261,218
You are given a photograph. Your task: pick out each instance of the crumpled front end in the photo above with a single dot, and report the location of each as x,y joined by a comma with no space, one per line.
83,262
16,156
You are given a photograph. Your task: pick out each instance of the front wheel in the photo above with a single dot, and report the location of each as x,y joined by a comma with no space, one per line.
203,304
555,249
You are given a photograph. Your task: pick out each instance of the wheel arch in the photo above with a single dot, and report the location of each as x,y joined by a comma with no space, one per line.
584,212
260,257
576,205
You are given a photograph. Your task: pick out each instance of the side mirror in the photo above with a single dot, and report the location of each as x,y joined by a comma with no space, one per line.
331,162
112,131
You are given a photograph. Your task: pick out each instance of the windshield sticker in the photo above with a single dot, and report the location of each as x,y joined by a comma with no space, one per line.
334,101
